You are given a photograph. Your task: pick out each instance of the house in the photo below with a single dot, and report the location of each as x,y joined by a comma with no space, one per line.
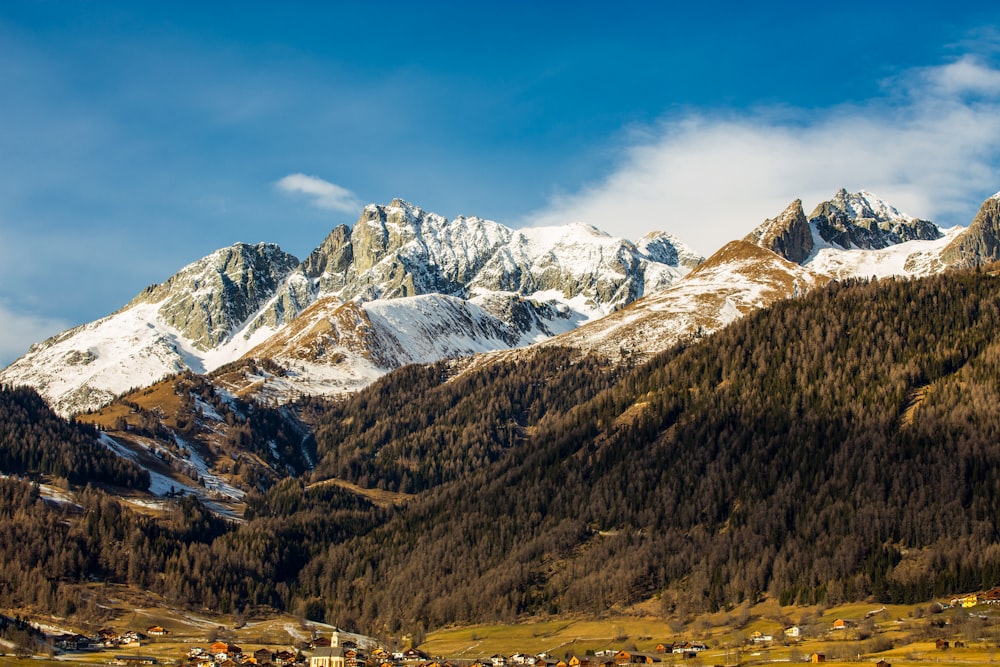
817,657
793,632
109,638
284,658
688,647
328,656
498,660
322,642
414,654
941,644
758,637
263,655
157,630
882,663
841,624
967,601
133,637
991,596
219,647
662,648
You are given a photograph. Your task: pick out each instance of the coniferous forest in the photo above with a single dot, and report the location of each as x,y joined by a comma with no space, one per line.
838,446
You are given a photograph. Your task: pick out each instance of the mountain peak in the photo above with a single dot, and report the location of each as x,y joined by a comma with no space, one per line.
863,220
788,235
209,298
666,248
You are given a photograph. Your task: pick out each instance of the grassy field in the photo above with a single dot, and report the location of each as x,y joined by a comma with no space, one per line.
901,635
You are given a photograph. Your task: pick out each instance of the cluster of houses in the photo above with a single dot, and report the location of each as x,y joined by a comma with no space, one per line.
224,654
991,596
349,656
104,638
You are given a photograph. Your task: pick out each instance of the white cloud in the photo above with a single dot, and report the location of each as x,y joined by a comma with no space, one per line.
965,75
323,193
19,331
931,147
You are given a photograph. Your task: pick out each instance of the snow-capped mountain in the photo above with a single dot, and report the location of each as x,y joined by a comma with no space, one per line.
187,322
400,250
853,235
403,285
739,278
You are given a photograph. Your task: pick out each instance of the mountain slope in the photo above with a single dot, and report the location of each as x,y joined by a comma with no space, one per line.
738,279
798,453
191,321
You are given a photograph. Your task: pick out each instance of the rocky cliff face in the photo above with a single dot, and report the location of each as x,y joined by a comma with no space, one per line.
788,235
206,300
399,250
980,243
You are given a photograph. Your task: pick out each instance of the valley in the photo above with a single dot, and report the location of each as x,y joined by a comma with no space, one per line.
451,428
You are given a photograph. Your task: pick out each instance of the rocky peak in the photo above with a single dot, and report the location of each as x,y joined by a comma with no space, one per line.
208,299
668,249
980,243
862,220
334,255
788,235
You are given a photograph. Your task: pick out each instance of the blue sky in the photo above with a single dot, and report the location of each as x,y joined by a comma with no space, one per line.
137,137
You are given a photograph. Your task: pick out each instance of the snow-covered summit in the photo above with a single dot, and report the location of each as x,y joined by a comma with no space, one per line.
864,204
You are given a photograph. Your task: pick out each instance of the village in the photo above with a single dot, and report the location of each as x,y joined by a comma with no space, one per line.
875,634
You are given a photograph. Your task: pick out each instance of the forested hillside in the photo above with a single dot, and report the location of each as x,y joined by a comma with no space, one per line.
34,439
837,446
415,429
833,447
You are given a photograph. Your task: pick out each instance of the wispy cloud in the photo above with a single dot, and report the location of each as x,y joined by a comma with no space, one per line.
930,145
323,194
19,331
